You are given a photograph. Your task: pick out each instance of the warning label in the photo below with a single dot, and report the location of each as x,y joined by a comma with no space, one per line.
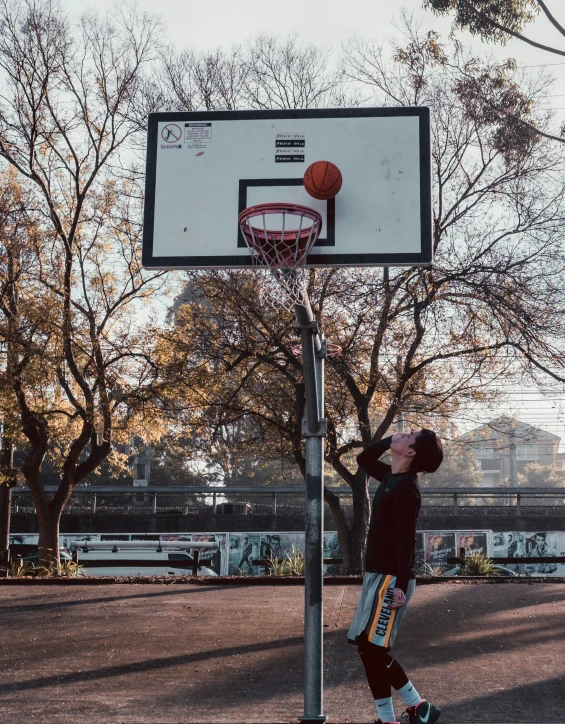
197,135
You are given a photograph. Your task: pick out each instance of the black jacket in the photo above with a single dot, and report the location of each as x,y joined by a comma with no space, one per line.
391,543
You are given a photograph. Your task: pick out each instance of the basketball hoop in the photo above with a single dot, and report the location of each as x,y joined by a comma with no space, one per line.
283,250
332,350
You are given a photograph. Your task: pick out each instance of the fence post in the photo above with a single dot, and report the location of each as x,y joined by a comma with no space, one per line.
214,502
518,509
94,503
196,559
154,503
455,510
274,503
462,556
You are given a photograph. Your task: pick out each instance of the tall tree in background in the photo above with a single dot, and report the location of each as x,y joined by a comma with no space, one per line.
67,93
20,324
503,20
416,342
459,469
263,73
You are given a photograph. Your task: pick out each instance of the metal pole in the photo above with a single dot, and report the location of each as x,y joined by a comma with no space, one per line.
314,430
310,345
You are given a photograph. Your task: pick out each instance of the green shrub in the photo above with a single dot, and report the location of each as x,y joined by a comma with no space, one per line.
430,570
19,568
292,564
71,569
477,564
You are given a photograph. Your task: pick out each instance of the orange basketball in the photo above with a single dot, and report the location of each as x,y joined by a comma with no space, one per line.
322,180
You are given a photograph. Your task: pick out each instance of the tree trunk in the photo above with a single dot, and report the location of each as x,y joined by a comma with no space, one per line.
5,514
48,525
6,484
352,539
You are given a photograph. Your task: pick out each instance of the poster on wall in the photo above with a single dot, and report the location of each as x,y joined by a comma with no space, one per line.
244,548
472,542
533,544
332,550
438,548
440,545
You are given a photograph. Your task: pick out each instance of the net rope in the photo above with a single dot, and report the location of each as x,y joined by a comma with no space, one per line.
281,254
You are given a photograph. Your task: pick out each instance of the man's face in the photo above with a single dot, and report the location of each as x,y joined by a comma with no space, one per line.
402,441
539,541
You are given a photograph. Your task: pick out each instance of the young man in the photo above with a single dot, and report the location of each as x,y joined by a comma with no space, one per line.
390,577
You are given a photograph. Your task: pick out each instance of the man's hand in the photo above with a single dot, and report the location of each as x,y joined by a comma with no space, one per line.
399,599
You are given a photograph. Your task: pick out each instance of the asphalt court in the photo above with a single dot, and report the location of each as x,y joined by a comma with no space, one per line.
156,653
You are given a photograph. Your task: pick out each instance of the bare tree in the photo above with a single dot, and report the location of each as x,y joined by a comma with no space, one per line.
289,75
20,325
265,72
67,93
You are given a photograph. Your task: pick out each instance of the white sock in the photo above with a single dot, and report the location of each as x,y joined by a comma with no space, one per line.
385,709
409,694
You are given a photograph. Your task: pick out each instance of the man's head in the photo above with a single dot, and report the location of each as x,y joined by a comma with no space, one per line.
540,539
421,450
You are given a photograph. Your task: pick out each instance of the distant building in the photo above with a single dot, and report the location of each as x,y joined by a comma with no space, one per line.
504,447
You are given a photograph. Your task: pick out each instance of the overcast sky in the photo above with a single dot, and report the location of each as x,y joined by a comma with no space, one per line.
206,24
210,23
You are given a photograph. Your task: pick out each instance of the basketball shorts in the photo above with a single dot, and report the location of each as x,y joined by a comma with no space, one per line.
373,616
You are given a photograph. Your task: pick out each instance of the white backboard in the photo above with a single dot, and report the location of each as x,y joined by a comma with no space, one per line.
203,168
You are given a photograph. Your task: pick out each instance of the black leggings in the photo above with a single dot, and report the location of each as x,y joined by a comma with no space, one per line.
381,673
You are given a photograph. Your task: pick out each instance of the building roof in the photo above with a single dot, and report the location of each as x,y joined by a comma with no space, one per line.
503,428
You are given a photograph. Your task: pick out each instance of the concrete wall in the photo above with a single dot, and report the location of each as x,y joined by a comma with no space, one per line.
162,523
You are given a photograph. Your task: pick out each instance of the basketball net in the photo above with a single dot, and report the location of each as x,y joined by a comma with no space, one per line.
281,252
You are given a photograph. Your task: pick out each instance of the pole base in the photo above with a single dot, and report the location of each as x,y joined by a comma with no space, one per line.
312,719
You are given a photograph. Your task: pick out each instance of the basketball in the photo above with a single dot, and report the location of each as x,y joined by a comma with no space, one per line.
322,180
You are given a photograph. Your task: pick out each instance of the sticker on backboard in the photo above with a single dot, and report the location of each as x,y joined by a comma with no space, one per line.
197,135
290,148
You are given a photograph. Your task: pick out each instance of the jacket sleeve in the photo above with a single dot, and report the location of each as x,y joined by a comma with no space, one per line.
407,508
369,461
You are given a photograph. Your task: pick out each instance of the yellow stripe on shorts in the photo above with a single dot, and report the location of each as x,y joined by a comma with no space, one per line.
383,589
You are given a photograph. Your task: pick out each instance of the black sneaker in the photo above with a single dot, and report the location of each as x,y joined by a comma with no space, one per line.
424,713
